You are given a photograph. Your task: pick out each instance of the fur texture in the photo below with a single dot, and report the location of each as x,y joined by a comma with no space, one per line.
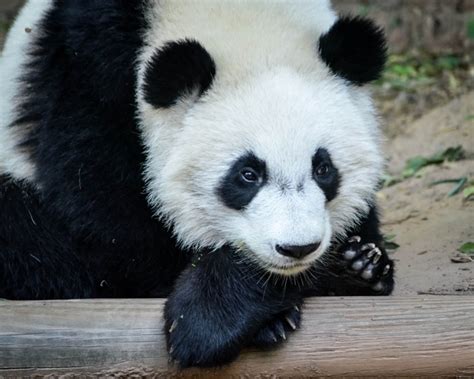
354,48
128,125
177,68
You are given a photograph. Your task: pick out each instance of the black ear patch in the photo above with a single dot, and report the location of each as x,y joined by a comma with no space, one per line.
176,69
355,49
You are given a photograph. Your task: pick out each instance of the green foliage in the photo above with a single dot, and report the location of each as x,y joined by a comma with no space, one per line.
390,180
363,10
468,192
415,164
470,28
405,72
459,184
389,242
467,248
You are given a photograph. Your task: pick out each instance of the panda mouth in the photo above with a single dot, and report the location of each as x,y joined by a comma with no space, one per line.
288,269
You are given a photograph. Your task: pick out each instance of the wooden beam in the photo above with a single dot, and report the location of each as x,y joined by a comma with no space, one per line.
358,336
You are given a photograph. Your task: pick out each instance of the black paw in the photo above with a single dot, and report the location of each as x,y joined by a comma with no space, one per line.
368,265
277,329
193,340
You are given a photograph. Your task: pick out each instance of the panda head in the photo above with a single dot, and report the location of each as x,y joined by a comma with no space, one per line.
275,159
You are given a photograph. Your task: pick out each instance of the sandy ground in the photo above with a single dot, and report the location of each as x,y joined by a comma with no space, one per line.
428,225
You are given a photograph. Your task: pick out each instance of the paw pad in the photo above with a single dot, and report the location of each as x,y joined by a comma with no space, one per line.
367,263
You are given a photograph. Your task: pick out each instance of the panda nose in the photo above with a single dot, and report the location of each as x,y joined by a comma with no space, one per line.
296,251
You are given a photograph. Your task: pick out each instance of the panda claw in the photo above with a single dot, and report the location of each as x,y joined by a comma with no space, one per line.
290,322
386,270
378,255
280,330
353,239
368,246
173,326
372,252
296,308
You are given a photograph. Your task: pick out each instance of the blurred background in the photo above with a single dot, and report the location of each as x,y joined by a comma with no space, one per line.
426,102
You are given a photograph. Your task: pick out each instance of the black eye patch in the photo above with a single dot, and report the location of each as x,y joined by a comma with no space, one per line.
242,181
325,173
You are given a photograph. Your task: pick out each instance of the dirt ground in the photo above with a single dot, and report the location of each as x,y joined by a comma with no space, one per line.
427,224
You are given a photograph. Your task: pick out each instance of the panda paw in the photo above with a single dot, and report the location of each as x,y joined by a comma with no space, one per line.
276,330
368,265
191,341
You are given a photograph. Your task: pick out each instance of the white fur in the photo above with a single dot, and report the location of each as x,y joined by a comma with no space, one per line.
25,29
273,96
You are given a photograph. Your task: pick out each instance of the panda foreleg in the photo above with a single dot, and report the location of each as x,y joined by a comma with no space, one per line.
221,304
37,260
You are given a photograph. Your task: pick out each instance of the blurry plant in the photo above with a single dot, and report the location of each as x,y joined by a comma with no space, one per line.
415,164
458,184
470,28
467,248
389,242
407,71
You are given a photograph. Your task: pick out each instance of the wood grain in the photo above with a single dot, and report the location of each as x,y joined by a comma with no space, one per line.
358,336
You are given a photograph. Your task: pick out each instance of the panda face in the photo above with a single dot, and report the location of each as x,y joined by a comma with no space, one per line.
297,228
258,131
277,166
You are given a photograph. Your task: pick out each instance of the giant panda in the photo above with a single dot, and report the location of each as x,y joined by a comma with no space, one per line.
224,154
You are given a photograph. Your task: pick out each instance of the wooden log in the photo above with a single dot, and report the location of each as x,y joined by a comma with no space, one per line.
357,336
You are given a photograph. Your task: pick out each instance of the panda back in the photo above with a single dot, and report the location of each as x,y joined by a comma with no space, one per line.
13,160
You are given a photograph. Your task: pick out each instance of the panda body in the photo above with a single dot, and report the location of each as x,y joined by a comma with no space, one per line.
217,142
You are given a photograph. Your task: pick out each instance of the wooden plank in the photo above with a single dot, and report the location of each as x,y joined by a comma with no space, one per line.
358,336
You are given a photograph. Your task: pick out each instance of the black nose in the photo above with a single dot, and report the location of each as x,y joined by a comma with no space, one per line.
297,252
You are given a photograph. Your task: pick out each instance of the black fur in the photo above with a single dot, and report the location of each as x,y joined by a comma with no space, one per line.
247,310
80,90
218,306
86,229
234,191
37,258
175,70
329,182
355,49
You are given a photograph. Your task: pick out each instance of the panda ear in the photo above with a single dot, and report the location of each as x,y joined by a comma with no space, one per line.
177,69
355,49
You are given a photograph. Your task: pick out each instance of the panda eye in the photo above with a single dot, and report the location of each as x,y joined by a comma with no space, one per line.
249,175
322,170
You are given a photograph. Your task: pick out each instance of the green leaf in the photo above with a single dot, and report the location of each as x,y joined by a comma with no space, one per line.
468,192
453,153
389,237
467,248
448,62
415,164
460,182
389,180
458,187
470,28
389,242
